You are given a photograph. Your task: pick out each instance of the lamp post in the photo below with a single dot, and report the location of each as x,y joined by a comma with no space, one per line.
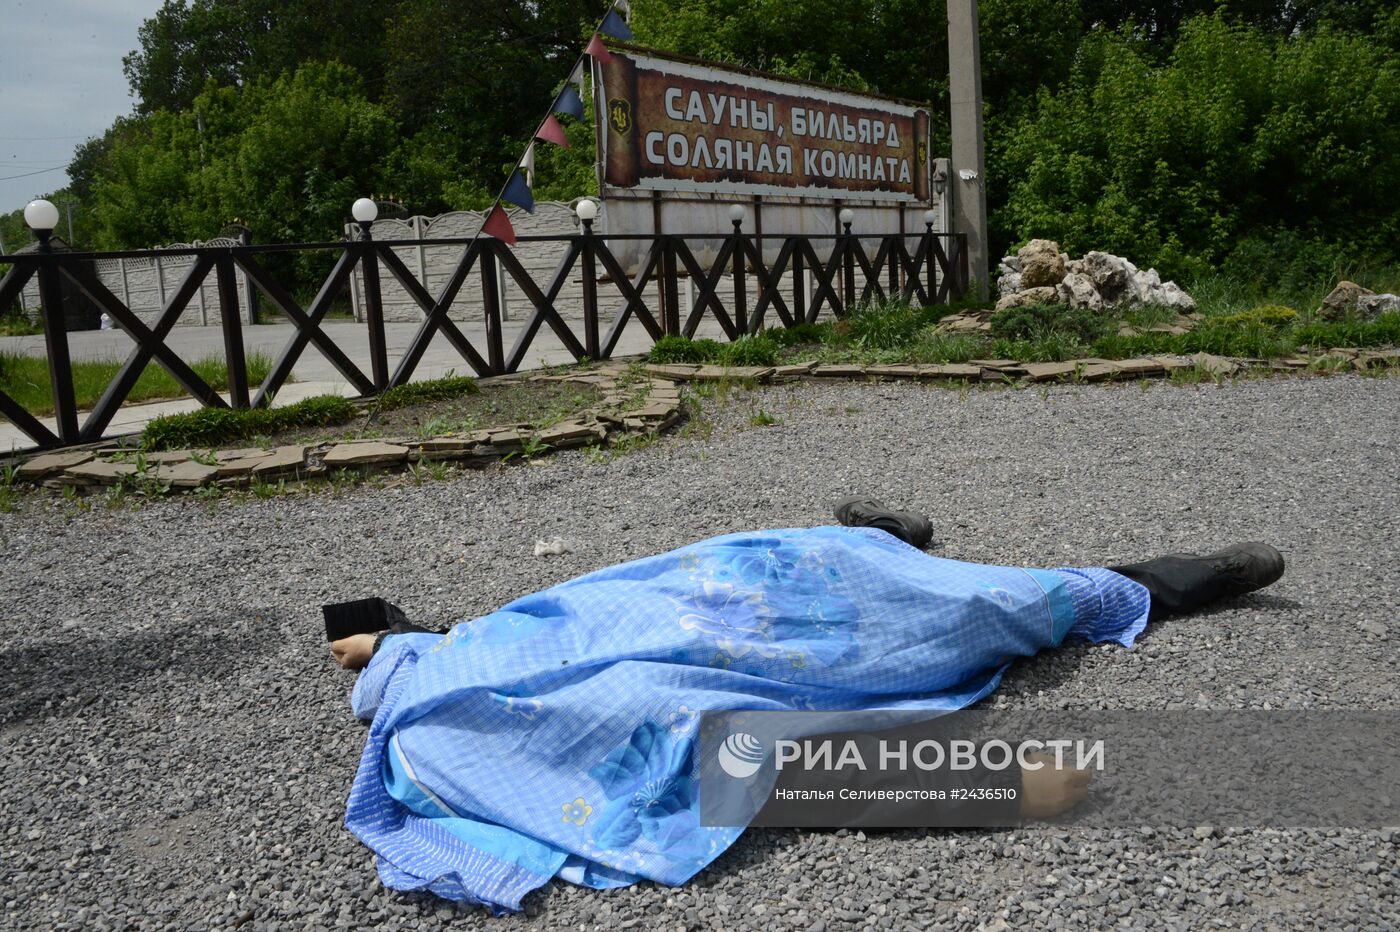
587,211
365,210
848,271
42,217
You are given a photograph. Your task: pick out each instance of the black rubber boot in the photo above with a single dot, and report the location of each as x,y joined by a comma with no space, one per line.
1180,583
860,511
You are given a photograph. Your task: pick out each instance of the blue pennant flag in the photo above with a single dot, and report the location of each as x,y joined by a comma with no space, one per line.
615,26
518,192
569,102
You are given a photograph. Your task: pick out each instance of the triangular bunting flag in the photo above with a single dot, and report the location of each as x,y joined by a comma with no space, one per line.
528,164
518,192
551,130
498,225
569,102
597,50
614,26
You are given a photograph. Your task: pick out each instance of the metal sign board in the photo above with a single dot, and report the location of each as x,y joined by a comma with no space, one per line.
667,125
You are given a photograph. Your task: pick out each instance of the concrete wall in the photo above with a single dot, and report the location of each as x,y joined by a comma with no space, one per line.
144,285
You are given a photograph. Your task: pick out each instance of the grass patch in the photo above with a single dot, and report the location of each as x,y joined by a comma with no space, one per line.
26,379
18,325
431,390
213,427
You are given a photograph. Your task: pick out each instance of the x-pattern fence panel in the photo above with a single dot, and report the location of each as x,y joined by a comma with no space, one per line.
833,273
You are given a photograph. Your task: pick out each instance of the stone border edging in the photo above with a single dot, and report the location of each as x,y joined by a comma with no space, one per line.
607,422
658,410
1000,370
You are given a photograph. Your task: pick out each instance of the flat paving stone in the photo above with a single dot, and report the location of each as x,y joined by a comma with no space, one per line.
49,463
839,372
283,460
1045,371
952,370
363,454
187,475
98,471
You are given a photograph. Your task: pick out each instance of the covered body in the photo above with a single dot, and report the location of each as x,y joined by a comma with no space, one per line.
555,736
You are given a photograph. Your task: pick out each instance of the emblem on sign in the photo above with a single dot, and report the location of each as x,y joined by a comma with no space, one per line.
620,114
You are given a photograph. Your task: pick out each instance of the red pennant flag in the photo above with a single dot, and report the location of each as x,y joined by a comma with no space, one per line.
551,130
597,50
498,225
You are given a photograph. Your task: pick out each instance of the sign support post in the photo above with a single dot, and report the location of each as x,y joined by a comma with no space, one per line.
967,183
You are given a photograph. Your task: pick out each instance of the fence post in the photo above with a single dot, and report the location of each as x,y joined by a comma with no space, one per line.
670,292
964,274
930,263
799,286
848,271
590,294
233,328
491,298
374,308
741,311
56,340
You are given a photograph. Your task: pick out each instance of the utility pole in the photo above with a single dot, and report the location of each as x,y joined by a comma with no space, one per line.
969,175
68,206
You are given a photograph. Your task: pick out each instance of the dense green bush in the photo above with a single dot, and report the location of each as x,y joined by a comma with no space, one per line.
679,349
1042,321
749,351
212,427
758,350
1241,145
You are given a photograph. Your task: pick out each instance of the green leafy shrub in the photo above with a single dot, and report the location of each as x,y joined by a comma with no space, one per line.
802,333
889,326
1273,316
429,390
1043,321
749,351
679,349
1383,331
212,427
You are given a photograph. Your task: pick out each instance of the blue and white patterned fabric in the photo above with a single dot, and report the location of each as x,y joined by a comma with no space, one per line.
555,737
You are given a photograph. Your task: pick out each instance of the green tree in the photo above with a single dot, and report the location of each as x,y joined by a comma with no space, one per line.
1239,133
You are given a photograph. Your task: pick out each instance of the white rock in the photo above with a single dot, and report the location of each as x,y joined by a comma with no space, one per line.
1008,282
1077,290
555,546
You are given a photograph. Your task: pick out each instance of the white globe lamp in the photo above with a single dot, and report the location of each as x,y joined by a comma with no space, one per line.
41,215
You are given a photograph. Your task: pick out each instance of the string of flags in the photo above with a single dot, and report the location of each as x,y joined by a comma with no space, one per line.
519,187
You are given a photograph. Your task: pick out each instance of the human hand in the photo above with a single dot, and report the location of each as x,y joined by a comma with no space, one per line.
354,652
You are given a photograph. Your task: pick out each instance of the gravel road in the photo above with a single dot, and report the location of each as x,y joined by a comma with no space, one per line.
176,747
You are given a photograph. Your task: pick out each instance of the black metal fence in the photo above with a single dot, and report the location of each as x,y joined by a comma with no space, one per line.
843,275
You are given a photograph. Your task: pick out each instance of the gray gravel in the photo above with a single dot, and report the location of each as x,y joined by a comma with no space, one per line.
176,747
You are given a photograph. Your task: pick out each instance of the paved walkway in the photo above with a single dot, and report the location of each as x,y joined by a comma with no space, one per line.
314,374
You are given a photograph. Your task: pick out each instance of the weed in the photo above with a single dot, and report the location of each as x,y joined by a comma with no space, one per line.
204,457
762,418
9,495
265,490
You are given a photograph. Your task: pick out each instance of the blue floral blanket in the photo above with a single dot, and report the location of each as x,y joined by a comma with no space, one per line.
555,737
